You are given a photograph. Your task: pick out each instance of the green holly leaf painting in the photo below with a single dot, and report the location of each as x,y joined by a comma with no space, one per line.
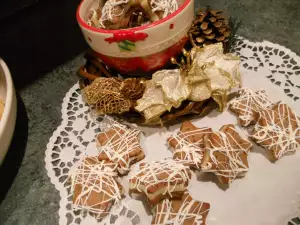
126,46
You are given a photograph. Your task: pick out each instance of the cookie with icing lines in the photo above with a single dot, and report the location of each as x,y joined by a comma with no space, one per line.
160,179
184,211
95,187
226,154
278,131
248,105
120,145
188,144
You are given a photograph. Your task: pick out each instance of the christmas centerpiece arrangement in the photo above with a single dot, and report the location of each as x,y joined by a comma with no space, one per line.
153,64
201,83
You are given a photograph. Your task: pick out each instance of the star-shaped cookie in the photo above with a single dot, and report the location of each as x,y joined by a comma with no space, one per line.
95,187
184,211
120,145
226,154
278,131
188,144
248,105
160,179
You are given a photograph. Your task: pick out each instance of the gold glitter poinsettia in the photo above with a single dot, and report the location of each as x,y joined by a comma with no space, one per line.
207,73
212,74
214,53
167,89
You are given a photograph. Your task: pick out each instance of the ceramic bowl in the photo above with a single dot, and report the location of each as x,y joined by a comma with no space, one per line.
141,49
8,120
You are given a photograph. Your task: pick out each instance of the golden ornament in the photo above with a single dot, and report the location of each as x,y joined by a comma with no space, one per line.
210,73
167,89
104,96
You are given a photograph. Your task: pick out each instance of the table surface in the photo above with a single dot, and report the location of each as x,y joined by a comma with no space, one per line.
32,199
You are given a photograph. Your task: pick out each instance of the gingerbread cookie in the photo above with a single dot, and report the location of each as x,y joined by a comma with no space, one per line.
226,154
185,211
120,145
95,187
160,180
188,144
248,105
278,131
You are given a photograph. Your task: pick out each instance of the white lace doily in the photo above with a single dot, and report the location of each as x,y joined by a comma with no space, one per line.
268,195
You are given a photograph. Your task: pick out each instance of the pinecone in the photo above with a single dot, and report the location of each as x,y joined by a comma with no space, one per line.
209,27
133,88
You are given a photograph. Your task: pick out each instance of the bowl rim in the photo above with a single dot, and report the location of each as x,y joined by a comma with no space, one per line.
105,31
8,101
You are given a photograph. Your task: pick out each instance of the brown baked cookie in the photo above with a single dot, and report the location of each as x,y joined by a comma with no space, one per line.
188,144
95,187
120,145
248,105
185,211
161,179
278,131
226,154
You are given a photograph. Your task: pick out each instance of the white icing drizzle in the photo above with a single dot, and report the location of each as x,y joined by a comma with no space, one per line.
190,153
232,166
166,6
96,177
280,134
151,175
120,146
115,8
109,10
250,101
190,210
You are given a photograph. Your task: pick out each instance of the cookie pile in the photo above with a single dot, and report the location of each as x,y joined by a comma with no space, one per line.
248,105
186,211
276,126
223,152
121,14
95,187
160,179
121,146
164,183
95,184
188,144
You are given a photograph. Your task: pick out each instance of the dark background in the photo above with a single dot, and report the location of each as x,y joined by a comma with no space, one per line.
37,36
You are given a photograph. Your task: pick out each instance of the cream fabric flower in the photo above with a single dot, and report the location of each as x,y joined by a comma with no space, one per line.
211,74
167,89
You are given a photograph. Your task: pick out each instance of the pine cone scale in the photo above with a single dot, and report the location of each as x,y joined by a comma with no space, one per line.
204,25
213,19
208,31
218,24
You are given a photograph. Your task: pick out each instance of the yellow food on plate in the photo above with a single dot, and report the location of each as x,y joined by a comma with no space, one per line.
1,108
